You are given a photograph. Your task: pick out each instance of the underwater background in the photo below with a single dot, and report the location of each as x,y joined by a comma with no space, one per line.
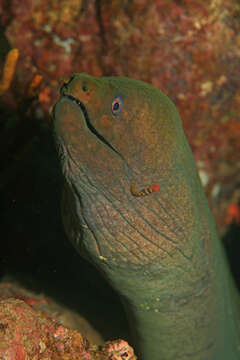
187,48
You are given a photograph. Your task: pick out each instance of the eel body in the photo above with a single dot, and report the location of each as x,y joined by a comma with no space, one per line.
134,206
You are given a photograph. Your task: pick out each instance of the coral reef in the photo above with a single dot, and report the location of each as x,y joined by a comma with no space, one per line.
187,48
11,126
28,330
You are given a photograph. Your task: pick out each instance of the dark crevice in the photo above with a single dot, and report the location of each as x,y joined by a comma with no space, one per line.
103,48
102,34
88,122
98,5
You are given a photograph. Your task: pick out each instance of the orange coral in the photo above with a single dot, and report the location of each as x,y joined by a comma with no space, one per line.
233,214
44,95
119,349
36,81
8,70
233,209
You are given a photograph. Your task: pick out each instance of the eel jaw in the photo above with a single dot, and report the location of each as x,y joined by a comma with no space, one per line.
88,122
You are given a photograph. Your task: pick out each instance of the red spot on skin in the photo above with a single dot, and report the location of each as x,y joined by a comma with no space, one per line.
155,187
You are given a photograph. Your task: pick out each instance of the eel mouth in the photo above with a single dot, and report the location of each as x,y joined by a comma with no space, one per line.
88,122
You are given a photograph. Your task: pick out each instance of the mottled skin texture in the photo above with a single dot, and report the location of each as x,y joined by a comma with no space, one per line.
161,251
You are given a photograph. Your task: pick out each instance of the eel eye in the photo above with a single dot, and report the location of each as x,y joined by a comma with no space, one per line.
117,105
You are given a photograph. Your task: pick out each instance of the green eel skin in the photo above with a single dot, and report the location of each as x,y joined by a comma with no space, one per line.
159,250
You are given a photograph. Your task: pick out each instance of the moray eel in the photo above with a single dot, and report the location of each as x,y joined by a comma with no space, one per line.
134,206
